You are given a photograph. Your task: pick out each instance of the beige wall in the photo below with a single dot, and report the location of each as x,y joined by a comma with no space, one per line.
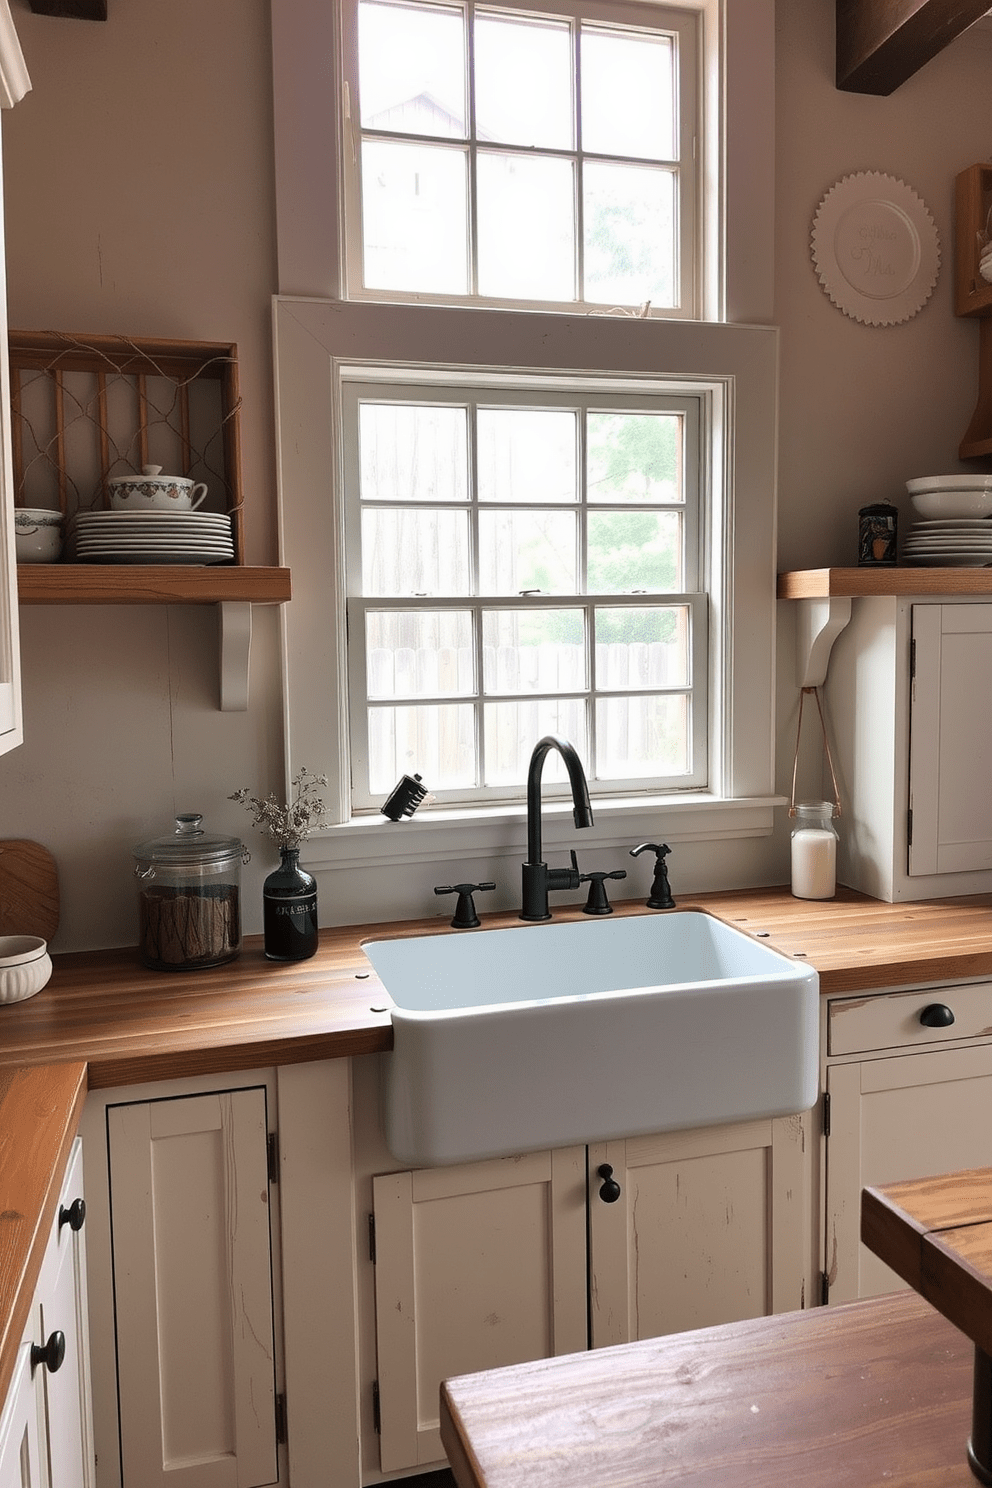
139,198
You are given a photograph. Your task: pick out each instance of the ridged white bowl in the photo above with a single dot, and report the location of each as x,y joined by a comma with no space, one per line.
25,966
970,501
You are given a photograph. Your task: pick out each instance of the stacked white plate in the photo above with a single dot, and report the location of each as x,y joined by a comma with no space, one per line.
189,537
950,542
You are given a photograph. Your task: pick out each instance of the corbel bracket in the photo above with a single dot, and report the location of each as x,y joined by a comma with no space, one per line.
818,624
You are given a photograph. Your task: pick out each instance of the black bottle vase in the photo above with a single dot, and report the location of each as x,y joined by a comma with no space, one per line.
289,910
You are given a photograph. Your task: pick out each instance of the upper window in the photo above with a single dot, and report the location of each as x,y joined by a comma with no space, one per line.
506,157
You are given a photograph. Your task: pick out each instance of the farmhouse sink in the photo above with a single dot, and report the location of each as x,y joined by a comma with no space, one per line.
539,1036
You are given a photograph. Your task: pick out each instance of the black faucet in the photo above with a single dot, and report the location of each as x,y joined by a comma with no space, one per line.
538,878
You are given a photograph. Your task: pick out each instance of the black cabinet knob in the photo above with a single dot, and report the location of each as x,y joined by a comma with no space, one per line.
610,1191
51,1354
74,1215
936,1015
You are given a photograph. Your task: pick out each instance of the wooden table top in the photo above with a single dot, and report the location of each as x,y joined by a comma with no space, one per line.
936,1233
130,1024
869,1395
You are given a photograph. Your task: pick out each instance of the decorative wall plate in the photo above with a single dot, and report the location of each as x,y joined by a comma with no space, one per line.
875,248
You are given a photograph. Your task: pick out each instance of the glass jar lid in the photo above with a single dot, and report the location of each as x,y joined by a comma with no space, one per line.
189,844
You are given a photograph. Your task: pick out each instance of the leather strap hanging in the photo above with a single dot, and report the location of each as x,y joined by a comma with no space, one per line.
826,745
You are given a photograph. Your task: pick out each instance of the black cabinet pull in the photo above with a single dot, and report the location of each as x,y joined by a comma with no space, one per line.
74,1215
936,1015
610,1191
51,1354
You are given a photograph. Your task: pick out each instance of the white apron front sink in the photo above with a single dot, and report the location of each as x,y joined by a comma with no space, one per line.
547,1035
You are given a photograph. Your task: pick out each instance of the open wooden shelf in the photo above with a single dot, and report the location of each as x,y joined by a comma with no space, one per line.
99,583
850,583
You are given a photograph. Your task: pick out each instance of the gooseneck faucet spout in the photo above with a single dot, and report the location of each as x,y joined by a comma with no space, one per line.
538,878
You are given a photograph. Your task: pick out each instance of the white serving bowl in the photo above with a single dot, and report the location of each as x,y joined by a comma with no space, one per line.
25,966
952,502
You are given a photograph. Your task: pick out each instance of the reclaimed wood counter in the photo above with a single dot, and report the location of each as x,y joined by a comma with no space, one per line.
867,1395
130,1024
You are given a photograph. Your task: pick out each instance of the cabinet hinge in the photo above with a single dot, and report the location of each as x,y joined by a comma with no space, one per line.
272,1155
372,1238
912,661
824,1289
281,1434
376,1413
826,1113
909,827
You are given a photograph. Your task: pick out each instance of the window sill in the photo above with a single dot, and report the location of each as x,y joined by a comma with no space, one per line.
438,834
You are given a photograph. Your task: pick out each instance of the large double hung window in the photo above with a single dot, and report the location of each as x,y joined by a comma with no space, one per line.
523,560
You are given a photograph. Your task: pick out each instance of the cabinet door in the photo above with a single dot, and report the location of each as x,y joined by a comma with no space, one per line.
951,739
62,1303
477,1266
20,1430
193,1291
912,1116
708,1228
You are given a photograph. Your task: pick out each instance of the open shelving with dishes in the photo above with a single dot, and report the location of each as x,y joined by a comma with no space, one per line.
87,407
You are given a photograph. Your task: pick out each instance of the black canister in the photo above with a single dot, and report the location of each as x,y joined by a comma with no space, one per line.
189,898
877,533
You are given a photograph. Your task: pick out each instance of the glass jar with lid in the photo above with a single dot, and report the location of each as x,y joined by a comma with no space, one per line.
189,888
814,850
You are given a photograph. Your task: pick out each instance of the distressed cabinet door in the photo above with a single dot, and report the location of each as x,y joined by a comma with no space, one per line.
193,1291
951,739
20,1428
708,1228
61,1297
477,1266
911,1116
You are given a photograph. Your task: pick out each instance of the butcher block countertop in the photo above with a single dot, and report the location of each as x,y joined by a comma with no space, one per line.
129,1024
105,1021
875,1394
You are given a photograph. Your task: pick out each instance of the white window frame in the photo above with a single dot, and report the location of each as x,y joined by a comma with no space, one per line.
318,342
733,350
364,384
683,23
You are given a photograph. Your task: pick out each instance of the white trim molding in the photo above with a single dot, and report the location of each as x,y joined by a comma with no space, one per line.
14,80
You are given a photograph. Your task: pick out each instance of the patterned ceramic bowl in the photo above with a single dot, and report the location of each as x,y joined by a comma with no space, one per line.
25,966
37,534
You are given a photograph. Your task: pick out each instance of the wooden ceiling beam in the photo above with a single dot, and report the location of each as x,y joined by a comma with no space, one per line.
881,43
77,10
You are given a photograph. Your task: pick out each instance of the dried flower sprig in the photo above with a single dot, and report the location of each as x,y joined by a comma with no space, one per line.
291,824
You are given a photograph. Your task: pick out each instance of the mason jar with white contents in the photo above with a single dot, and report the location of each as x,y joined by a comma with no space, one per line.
814,851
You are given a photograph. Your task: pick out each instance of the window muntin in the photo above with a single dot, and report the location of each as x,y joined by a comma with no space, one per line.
492,616
576,184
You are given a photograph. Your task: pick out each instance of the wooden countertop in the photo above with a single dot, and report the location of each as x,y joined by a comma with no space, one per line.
867,1395
39,1114
130,1024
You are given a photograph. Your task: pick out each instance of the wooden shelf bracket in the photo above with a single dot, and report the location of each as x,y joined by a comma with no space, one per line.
818,624
234,622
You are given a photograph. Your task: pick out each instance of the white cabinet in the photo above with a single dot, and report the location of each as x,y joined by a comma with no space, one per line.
184,1326
21,1427
489,1264
46,1438
476,1266
897,1115
909,699
710,1227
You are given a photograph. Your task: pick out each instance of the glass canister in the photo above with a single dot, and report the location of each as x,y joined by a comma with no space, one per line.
814,851
189,888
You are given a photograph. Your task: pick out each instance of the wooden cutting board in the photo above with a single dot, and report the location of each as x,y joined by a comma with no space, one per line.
29,889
